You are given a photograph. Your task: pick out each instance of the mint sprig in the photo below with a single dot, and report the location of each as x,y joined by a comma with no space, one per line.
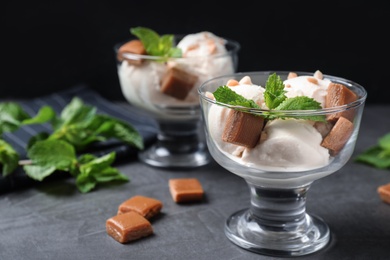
378,155
275,99
156,45
274,93
76,128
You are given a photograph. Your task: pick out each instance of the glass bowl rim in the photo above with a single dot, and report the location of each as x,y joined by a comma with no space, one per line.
311,112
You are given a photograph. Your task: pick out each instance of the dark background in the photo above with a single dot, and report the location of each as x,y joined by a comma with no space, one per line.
53,45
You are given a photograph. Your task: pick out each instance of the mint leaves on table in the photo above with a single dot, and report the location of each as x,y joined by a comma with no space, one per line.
156,45
377,156
275,99
77,127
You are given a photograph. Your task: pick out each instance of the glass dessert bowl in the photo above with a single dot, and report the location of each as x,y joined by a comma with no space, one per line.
166,89
309,133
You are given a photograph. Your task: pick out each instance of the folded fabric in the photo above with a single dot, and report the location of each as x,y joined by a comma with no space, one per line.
146,126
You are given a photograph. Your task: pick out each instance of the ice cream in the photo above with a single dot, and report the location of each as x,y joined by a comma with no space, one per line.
155,85
285,144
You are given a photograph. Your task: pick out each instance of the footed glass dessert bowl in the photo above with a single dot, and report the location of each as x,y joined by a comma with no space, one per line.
280,131
165,87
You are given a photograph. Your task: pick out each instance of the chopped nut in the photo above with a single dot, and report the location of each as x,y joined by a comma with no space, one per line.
292,75
209,95
232,82
246,80
312,80
318,74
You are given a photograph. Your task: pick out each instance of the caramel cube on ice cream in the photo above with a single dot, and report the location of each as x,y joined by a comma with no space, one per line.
186,189
133,46
145,206
243,129
128,227
339,95
178,83
338,136
384,192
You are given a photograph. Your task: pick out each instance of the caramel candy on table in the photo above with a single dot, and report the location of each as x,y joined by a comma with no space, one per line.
178,83
338,136
186,190
384,192
133,46
145,206
243,129
338,95
128,227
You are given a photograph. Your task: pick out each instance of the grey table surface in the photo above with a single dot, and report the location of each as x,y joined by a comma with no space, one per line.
55,221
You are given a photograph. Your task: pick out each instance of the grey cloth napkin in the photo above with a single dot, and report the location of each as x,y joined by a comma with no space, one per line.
146,126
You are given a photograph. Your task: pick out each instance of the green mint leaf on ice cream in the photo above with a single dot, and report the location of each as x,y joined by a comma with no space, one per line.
156,45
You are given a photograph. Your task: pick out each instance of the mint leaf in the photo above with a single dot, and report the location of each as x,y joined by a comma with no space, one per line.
44,115
155,44
47,156
53,153
38,172
97,170
225,95
11,116
9,158
274,93
376,157
300,103
76,112
121,131
384,142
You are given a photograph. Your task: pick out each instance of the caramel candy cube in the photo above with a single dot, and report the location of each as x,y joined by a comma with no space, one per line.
186,190
338,136
145,206
338,95
243,129
128,227
133,46
384,192
178,83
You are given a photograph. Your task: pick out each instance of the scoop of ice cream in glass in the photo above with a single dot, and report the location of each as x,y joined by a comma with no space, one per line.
160,75
280,131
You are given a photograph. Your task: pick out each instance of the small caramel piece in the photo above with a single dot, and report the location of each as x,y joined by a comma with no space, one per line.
178,83
133,46
339,95
384,192
186,190
338,136
128,227
243,129
145,206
